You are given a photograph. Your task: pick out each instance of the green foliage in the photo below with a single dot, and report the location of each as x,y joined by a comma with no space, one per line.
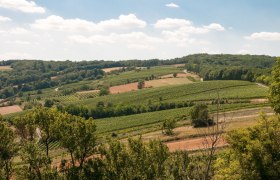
274,90
254,152
200,116
8,150
49,103
141,84
168,126
104,91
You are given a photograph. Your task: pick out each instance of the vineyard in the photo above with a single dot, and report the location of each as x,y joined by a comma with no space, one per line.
146,121
189,92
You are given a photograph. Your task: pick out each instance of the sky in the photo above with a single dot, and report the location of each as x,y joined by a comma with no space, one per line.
136,29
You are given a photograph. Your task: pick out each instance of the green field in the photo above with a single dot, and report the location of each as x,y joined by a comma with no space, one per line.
189,92
144,121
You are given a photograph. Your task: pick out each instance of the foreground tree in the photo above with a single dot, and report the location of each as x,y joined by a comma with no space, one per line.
254,153
8,150
274,90
77,136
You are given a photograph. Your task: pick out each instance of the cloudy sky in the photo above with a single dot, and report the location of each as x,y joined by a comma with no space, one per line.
136,29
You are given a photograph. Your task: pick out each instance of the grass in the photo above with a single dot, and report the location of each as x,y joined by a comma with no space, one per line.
189,92
138,122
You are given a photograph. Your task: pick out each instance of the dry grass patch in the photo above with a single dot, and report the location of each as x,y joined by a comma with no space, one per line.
166,82
107,70
87,92
10,109
5,68
123,88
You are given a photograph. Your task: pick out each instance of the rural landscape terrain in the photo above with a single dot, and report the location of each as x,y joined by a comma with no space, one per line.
139,90
81,119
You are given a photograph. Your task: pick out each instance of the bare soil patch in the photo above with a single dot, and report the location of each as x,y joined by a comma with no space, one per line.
107,70
166,82
10,109
123,88
178,65
192,144
149,84
5,68
258,101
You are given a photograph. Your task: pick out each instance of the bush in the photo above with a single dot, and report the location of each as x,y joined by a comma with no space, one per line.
200,117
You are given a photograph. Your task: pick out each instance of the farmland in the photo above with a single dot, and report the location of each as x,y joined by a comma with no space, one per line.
5,68
200,91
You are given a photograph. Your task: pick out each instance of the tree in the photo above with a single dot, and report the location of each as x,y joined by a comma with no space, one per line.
175,75
45,120
49,103
141,84
77,136
104,91
254,153
168,126
200,117
274,89
8,150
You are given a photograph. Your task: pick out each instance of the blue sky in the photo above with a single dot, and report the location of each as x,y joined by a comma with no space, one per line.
136,29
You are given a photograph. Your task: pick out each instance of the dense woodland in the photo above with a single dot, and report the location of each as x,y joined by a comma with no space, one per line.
25,143
28,75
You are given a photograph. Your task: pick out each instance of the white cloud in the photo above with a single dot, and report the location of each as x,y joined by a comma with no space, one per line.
215,26
123,22
57,23
4,19
172,5
18,30
266,36
168,23
18,42
22,5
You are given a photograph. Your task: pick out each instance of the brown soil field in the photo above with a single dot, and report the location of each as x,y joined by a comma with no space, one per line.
10,109
89,91
5,68
123,88
54,77
178,65
149,84
166,82
193,144
107,70
258,101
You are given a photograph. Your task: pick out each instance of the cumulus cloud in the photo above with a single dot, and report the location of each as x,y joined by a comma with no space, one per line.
22,5
265,36
57,23
4,19
123,22
172,5
215,26
168,23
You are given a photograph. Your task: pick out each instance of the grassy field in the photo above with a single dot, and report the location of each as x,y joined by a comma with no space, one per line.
188,92
153,120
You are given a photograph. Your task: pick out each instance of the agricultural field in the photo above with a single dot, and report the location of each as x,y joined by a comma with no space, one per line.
152,121
200,91
10,109
6,68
